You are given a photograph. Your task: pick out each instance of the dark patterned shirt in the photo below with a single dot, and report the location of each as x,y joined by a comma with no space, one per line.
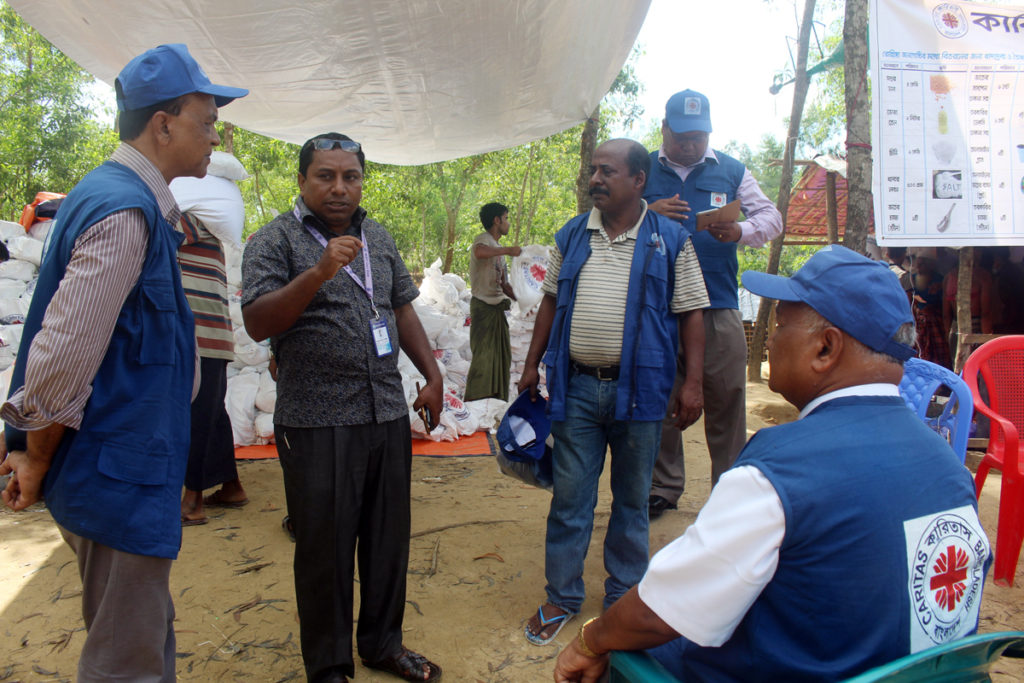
329,374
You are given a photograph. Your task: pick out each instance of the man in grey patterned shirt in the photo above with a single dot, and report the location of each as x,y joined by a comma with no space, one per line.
341,423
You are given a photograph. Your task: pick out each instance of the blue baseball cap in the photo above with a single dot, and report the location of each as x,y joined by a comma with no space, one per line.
861,297
688,111
166,72
524,429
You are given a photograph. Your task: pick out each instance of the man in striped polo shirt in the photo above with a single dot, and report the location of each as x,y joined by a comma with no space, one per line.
212,210
621,281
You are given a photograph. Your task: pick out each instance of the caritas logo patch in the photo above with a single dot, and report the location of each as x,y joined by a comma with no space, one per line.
946,555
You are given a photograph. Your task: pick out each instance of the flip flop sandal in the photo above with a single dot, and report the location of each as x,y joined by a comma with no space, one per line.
538,638
407,665
214,500
194,522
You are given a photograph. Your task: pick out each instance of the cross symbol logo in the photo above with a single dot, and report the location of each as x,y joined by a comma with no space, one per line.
950,573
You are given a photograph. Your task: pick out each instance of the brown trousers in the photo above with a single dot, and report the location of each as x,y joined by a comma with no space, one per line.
725,410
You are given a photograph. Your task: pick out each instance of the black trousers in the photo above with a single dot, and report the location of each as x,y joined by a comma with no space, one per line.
345,485
211,452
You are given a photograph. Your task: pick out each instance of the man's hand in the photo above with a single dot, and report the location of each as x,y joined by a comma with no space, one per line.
507,290
671,207
339,253
573,665
26,485
529,381
515,251
726,232
688,404
431,396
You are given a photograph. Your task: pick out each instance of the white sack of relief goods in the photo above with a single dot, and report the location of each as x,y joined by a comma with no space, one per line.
526,275
439,291
264,426
249,352
24,248
240,403
9,229
17,270
487,412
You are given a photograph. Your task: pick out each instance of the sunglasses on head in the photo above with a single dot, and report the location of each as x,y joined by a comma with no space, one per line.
327,144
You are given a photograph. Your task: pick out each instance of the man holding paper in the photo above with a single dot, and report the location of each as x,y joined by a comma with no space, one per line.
688,177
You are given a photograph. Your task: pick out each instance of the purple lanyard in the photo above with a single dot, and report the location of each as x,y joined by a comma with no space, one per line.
366,284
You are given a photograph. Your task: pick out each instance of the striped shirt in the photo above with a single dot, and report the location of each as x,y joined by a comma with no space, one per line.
599,313
204,278
67,351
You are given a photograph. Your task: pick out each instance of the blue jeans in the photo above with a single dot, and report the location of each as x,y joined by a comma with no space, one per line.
581,441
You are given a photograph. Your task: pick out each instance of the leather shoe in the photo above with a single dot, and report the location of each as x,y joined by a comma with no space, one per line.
656,505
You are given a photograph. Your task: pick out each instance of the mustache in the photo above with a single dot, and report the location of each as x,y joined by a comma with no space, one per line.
597,190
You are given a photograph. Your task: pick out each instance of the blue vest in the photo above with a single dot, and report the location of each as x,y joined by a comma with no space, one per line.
717,259
856,478
117,480
647,366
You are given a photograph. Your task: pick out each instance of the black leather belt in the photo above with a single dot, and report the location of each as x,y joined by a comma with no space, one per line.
605,373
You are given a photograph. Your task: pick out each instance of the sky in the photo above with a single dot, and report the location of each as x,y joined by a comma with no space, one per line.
728,50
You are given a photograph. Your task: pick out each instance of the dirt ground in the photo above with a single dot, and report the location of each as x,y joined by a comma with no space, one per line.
475,574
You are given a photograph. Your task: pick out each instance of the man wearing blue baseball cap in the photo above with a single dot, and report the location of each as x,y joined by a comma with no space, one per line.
687,177
98,414
836,543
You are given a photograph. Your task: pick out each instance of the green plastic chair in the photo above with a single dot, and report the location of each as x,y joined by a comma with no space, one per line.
963,661
637,667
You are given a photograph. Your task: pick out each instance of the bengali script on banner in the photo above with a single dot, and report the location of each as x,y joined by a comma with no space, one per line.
947,122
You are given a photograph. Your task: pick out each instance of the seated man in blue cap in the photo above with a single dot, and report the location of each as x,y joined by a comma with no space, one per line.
836,543
98,415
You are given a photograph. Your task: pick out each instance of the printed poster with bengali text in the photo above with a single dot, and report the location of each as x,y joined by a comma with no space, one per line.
947,122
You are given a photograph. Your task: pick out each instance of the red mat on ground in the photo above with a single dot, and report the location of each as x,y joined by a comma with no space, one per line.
255,452
480,443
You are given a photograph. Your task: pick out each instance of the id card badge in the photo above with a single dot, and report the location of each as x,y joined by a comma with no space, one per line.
381,339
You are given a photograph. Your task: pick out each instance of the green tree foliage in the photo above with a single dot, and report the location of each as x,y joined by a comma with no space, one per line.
764,162
50,133
765,167
273,166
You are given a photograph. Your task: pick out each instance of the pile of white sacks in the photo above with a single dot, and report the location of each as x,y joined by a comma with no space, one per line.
17,282
443,309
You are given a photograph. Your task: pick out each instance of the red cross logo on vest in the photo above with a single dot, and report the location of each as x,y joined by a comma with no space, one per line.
950,577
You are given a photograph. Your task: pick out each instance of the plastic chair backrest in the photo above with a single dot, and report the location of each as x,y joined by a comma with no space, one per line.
637,667
920,381
962,661
1000,363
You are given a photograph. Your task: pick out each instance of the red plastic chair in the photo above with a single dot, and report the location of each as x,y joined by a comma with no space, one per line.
1000,364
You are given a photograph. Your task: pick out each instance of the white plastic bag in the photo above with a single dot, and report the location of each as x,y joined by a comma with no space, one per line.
17,270
215,201
526,275
240,402
24,248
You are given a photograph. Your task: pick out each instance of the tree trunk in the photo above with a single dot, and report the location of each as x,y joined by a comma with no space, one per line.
859,206
588,141
963,306
229,137
800,83
831,207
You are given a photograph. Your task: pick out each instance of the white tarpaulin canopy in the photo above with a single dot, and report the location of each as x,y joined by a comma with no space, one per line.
414,80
